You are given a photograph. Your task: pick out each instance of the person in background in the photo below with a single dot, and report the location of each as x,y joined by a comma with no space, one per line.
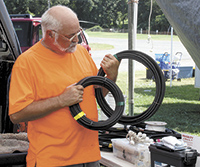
43,87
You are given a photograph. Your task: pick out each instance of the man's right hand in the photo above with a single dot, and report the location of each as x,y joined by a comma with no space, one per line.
73,94
38,109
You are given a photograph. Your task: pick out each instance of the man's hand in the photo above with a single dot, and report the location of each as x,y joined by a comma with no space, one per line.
110,66
73,94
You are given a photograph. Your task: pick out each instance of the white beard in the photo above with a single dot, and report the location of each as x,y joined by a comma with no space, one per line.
70,49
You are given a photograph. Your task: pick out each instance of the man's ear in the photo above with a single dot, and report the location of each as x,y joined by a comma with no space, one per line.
49,33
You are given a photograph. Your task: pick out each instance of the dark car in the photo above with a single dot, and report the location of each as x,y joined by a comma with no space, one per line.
9,51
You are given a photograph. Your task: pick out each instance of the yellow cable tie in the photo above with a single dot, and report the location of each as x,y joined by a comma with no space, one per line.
79,115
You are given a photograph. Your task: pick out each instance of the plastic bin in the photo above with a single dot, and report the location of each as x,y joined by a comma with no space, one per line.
137,154
185,72
175,158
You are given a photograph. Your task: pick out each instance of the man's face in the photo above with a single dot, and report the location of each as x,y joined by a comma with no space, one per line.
65,47
66,43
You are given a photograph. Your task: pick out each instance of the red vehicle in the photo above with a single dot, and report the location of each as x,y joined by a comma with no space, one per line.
28,30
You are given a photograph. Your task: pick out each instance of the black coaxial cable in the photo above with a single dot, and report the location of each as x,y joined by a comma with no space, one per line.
80,116
150,63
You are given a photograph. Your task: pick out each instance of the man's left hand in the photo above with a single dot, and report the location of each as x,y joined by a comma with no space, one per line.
110,66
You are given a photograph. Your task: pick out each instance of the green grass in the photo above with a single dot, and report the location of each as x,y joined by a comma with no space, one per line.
99,46
180,108
125,36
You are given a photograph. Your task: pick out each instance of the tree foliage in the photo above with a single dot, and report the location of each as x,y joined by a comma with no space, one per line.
106,13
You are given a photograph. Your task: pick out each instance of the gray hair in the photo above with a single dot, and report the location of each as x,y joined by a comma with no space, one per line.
49,22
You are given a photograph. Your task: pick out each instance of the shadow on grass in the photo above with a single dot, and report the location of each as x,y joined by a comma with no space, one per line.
183,117
184,92
180,108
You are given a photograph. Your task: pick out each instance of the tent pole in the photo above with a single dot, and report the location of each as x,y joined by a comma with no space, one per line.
132,34
171,56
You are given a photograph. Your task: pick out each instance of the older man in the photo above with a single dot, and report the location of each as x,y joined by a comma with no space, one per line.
43,87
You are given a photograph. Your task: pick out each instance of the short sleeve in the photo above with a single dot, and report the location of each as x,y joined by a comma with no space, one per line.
21,92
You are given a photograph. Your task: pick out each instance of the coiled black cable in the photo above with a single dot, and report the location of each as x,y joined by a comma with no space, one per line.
150,63
80,116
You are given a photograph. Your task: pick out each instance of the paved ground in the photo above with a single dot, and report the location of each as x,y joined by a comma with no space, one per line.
142,45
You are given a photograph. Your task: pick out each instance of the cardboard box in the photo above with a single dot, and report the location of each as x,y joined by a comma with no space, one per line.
194,142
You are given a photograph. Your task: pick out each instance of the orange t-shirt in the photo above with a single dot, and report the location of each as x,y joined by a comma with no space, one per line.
56,139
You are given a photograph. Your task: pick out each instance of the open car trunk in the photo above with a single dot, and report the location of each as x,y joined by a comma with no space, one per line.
9,51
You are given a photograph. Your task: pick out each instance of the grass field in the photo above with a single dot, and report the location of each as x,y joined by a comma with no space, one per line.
180,108
98,46
125,36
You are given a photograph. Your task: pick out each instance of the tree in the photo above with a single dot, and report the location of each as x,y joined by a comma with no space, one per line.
37,7
106,13
82,8
109,13
122,9
158,20
17,6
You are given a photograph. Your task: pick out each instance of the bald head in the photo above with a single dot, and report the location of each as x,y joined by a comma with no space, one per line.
59,18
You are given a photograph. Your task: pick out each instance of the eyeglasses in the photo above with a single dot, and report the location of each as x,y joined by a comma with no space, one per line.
72,38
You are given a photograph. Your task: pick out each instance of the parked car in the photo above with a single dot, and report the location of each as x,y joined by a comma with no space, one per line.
28,31
9,51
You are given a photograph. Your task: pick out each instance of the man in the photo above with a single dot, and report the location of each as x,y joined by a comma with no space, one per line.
43,87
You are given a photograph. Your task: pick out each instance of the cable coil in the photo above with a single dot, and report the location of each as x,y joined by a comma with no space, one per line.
80,116
150,63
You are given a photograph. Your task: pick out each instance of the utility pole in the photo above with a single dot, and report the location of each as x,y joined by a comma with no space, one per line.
132,37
